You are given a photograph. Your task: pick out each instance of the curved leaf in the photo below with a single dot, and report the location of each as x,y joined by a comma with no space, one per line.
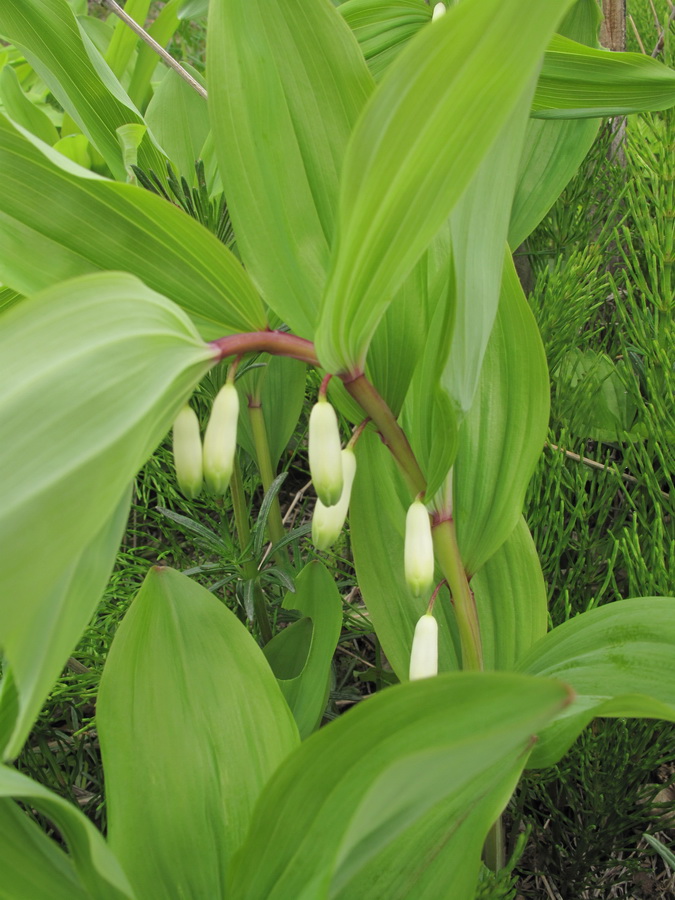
22,110
97,868
286,85
66,59
511,600
363,781
416,147
100,367
578,81
383,28
192,725
620,661
503,435
58,220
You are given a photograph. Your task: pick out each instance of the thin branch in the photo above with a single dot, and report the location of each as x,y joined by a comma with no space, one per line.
637,34
602,467
151,42
662,37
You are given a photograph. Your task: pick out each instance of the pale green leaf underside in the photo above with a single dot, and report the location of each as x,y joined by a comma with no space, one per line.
359,784
619,660
421,138
192,725
58,220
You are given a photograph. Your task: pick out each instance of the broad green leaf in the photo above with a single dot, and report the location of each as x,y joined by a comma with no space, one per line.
288,650
553,150
100,367
286,85
58,220
278,388
19,108
33,866
503,435
179,119
99,872
511,600
66,59
421,139
619,660
192,725
383,28
377,525
9,298
579,82
552,154
316,597
353,788
40,642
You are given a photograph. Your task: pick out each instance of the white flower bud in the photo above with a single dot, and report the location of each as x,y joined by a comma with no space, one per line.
327,521
424,653
220,440
187,452
419,549
439,10
325,464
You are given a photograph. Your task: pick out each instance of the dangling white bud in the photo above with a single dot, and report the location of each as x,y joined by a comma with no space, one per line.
439,10
325,464
327,521
424,653
187,452
419,549
220,440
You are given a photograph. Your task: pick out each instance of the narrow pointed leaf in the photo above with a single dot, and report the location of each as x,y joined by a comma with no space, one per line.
192,725
503,434
58,220
511,600
619,660
65,58
578,81
33,866
100,367
39,644
99,871
286,84
418,144
17,105
360,783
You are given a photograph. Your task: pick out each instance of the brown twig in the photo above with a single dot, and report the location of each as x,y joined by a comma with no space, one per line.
602,467
662,37
151,42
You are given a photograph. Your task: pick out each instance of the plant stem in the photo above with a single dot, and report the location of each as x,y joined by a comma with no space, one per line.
392,434
447,555
151,42
262,451
240,511
494,856
279,343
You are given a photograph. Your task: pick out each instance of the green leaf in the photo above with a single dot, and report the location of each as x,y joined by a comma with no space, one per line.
278,388
317,598
510,596
192,725
100,367
22,110
39,645
578,82
178,117
377,516
124,40
619,660
162,30
503,435
415,149
288,650
33,866
384,27
98,870
369,778
286,85
67,61
58,220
